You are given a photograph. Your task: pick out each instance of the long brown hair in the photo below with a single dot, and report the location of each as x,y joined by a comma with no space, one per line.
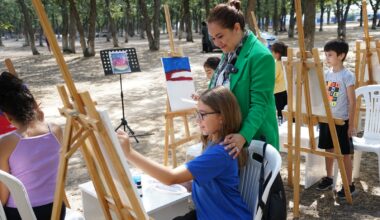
221,100
227,15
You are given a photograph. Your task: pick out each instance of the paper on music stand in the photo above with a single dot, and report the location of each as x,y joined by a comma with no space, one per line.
119,62
179,81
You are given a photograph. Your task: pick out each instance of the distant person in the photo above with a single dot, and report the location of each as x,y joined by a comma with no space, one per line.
206,44
214,173
30,153
341,95
210,66
279,49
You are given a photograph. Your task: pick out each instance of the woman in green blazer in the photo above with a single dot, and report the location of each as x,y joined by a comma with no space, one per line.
247,68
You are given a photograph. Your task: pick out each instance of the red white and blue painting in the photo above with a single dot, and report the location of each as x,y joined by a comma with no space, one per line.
179,81
119,62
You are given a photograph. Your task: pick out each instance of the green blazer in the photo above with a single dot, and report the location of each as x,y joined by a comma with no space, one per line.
253,87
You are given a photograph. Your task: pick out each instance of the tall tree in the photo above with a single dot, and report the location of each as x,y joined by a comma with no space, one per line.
128,25
153,39
275,17
207,7
375,8
309,23
65,25
28,26
112,25
292,20
342,8
283,16
187,19
251,6
322,7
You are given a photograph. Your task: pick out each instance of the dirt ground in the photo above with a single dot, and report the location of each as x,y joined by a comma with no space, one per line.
145,97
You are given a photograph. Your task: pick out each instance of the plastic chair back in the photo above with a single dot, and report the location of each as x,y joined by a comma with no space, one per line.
371,97
19,194
250,175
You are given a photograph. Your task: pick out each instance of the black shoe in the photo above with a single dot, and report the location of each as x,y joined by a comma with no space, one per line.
353,191
326,183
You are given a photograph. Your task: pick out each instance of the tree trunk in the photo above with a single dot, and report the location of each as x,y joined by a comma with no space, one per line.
72,33
90,50
40,37
267,18
28,26
309,24
112,26
375,8
65,25
328,14
342,9
275,17
154,41
1,41
361,16
27,40
251,6
322,7
187,19
181,23
79,26
127,20
283,16
207,7
292,21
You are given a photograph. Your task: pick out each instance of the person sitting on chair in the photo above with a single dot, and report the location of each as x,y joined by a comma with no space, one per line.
215,173
30,153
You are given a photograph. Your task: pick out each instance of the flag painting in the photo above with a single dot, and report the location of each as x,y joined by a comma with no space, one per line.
179,81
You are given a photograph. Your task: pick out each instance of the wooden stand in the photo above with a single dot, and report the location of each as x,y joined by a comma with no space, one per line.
10,67
367,67
171,143
303,68
257,29
85,130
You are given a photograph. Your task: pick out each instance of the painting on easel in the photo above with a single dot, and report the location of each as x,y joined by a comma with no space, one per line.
179,81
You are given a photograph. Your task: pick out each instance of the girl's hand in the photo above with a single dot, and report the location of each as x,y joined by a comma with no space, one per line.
234,144
195,96
124,141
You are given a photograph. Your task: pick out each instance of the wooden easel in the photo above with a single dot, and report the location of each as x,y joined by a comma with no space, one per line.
171,143
256,27
364,62
303,64
83,125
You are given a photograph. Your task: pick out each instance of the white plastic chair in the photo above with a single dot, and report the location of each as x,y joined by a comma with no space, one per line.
250,175
20,196
370,142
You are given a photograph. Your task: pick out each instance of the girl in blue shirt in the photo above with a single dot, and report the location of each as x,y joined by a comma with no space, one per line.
214,173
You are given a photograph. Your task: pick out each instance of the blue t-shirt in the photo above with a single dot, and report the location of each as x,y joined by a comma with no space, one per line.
215,186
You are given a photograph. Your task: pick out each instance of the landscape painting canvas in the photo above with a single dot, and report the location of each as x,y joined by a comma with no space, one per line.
179,82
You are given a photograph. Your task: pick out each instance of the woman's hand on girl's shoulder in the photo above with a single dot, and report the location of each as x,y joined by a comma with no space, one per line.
234,144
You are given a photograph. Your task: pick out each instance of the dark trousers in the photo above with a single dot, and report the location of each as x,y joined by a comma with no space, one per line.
42,212
281,99
189,216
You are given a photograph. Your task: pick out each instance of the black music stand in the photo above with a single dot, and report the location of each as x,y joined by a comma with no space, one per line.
118,62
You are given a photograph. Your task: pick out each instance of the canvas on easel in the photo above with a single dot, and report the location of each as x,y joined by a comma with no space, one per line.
306,82
86,130
180,87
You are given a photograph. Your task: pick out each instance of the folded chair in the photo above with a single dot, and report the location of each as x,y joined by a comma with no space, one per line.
250,175
370,142
19,194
